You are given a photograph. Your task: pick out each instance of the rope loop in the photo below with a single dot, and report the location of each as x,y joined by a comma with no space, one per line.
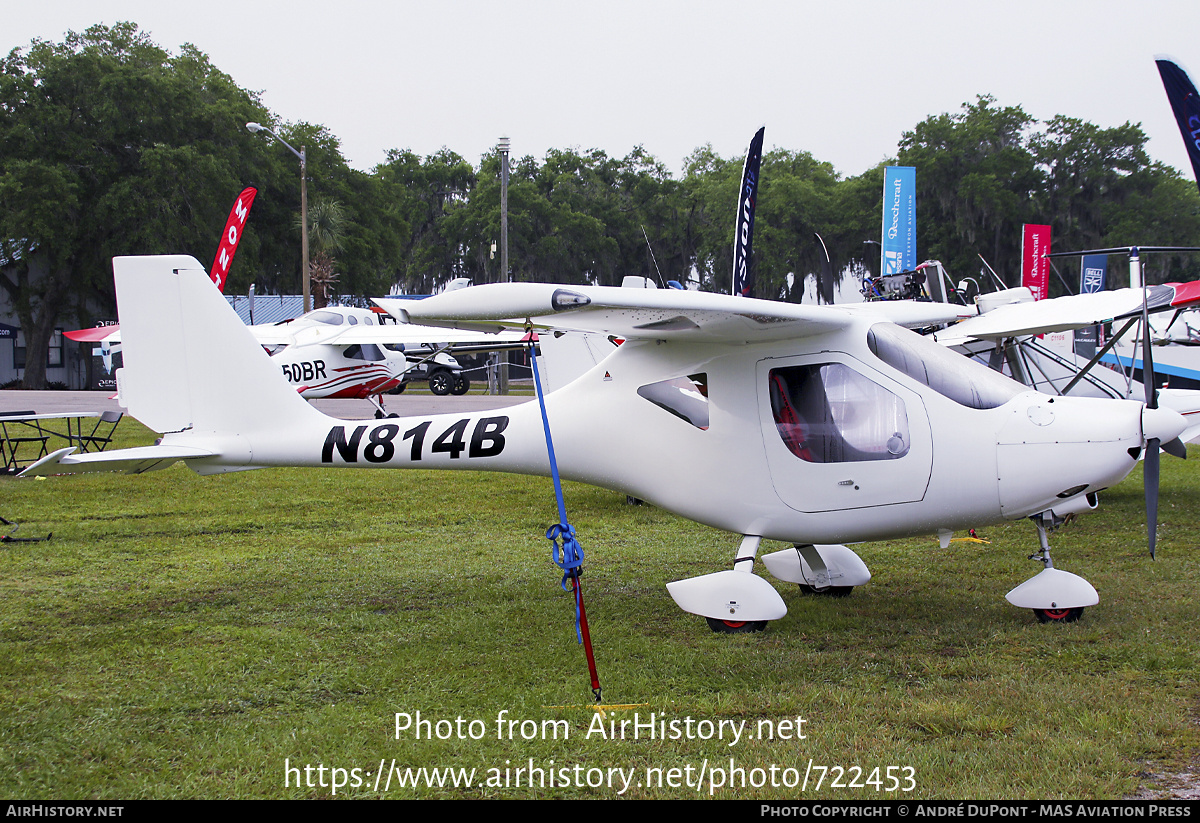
565,551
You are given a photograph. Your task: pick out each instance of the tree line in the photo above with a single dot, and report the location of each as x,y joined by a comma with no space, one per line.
110,145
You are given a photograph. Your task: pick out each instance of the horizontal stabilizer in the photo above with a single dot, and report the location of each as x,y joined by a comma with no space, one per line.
125,461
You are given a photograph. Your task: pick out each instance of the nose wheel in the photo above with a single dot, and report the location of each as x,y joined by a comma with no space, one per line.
736,601
735,626
1053,595
1058,615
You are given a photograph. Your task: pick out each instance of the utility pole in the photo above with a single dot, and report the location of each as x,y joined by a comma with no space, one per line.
502,357
304,271
504,278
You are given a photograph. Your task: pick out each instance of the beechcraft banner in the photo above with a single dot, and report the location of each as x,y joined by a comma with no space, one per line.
1035,268
231,236
899,252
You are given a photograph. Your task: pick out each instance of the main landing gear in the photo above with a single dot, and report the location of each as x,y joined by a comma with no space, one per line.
738,601
376,400
1053,595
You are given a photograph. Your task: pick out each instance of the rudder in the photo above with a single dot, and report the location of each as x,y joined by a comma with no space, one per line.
189,361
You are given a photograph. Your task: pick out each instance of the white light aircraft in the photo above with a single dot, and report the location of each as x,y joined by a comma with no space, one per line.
813,425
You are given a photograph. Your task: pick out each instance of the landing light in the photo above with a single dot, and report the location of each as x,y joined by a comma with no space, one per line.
562,299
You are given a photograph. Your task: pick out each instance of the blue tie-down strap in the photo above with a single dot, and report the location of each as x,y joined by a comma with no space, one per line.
568,556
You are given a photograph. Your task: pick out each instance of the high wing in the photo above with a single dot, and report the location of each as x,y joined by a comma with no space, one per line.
97,334
1064,313
669,314
286,334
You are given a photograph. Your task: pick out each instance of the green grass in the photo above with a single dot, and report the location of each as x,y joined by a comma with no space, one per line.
183,636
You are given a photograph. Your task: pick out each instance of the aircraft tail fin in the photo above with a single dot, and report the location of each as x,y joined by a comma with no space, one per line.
190,363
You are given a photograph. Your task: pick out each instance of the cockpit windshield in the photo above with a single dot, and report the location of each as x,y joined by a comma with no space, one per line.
959,378
328,317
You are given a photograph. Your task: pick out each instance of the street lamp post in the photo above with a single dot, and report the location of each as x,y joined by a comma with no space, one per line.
255,128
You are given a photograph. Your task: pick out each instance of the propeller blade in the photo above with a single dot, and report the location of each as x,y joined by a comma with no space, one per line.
1176,447
1148,380
1150,469
1150,480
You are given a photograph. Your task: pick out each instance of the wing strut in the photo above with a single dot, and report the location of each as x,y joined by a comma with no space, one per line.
1096,359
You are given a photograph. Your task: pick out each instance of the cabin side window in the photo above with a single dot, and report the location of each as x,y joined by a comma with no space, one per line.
829,413
684,397
366,351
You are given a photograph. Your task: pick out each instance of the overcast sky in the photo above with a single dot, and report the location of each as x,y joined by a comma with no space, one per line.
842,80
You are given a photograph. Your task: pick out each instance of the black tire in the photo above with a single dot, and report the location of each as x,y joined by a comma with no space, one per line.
379,415
1058,615
440,383
828,591
399,389
735,626
461,384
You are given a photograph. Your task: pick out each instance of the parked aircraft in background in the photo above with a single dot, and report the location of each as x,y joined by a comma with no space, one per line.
1005,336
364,353
342,351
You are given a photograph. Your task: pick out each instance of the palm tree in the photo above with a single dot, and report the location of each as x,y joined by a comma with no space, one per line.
326,227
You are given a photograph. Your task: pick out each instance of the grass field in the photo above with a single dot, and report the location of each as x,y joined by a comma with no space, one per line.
212,637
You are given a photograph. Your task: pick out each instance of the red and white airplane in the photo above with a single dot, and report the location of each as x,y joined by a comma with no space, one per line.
350,352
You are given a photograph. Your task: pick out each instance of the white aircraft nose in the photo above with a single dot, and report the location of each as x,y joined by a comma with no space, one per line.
1164,424
1054,448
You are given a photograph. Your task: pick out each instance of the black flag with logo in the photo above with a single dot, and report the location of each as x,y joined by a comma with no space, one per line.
743,237
1186,105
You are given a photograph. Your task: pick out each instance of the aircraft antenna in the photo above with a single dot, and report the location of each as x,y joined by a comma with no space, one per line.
1060,277
1001,285
653,259
824,276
